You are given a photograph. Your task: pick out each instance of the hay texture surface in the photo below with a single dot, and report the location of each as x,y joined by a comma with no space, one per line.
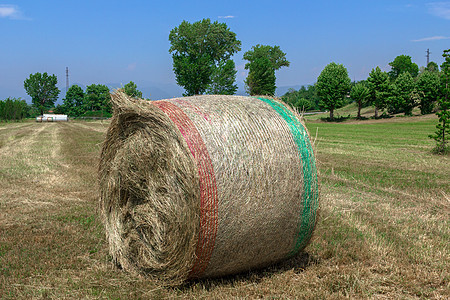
206,186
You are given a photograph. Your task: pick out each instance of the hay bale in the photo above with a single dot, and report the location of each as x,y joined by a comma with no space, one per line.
206,186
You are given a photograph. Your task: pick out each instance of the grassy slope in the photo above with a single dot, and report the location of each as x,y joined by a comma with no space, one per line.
352,110
383,230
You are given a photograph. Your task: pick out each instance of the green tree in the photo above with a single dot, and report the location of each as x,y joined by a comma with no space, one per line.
428,86
333,84
403,95
59,109
42,90
223,79
262,58
443,127
360,93
302,104
97,98
304,99
403,63
22,108
432,67
276,57
131,90
291,96
378,84
2,110
261,78
310,93
196,49
73,103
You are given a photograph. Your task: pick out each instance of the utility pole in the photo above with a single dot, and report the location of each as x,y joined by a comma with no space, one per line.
67,79
428,56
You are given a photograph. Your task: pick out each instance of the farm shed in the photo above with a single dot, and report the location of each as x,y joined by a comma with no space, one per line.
206,186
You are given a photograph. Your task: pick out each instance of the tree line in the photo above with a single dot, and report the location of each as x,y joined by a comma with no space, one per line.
92,102
400,90
14,109
397,91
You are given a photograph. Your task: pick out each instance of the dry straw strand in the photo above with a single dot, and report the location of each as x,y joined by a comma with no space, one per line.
205,186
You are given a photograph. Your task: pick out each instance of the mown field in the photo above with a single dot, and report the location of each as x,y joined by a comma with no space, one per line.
383,230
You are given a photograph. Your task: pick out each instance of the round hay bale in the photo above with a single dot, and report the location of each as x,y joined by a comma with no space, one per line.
206,186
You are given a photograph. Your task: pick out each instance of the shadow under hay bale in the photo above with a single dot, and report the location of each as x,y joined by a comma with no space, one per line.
296,264
206,186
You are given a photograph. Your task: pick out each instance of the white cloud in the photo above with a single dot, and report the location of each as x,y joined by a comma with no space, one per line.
226,17
131,66
432,38
11,11
440,9
8,11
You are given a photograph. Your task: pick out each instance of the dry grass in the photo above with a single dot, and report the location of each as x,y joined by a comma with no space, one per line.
383,231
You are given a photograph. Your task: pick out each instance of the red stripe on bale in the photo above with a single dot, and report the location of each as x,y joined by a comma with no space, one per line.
207,182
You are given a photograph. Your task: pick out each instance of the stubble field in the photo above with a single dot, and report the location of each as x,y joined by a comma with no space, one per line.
383,230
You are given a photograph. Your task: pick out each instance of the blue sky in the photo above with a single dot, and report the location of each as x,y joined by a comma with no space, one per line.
114,42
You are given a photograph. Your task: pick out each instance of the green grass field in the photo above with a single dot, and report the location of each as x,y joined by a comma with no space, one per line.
383,230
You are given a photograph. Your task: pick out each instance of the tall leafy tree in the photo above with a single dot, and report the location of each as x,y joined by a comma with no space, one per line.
97,98
131,90
42,90
428,86
197,49
442,133
401,64
223,79
260,59
261,78
403,94
379,87
333,84
276,57
73,102
360,93
432,67
311,95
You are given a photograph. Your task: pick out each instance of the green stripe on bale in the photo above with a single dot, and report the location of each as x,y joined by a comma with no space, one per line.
310,186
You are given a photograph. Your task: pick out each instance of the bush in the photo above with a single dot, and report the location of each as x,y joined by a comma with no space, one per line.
336,119
96,114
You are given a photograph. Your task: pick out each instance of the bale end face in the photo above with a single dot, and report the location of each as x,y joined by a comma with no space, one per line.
148,193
